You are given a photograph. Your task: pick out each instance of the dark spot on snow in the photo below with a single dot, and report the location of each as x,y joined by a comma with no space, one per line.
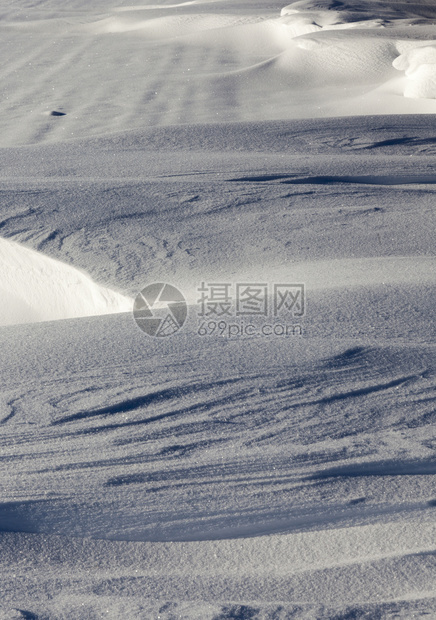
57,113
381,468
169,606
414,141
237,612
190,198
127,479
264,177
406,179
358,614
299,179
349,355
16,614
432,502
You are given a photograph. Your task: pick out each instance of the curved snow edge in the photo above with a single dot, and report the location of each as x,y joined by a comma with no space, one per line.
35,287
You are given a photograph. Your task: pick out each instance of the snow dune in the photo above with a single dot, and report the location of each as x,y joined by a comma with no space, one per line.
218,476
209,62
213,478
419,65
34,287
301,570
323,205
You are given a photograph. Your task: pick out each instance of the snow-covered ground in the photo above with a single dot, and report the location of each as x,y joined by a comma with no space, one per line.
246,466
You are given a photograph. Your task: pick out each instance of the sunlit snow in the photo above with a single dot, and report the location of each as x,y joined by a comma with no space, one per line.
219,470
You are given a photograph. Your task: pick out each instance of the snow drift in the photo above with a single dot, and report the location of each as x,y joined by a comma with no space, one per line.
34,287
218,477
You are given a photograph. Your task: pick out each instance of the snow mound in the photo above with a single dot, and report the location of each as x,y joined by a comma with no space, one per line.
419,65
167,26
209,62
34,287
368,14
301,18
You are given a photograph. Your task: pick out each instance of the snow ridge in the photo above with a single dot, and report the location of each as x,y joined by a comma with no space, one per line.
37,288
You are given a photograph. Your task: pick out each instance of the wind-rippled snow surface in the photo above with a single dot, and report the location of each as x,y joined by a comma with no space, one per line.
217,476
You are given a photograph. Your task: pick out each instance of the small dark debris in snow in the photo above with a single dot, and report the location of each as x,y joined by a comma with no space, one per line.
126,479
432,502
237,612
56,113
358,500
193,198
15,614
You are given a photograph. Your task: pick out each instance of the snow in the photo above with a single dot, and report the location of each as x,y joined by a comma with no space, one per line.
35,287
208,474
419,65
